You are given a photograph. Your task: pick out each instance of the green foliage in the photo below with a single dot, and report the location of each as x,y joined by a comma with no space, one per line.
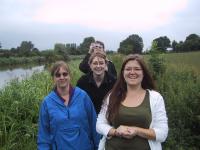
72,49
117,59
156,61
192,43
21,60
163,43
174,44
157,64
181,91
25,48
19,106
132,44
85,45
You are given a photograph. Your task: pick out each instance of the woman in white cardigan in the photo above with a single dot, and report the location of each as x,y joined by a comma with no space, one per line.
133,115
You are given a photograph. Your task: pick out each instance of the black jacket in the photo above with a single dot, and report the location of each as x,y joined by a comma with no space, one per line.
85,68
97,94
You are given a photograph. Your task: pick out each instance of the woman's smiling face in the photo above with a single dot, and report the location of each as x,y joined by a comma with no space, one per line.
133,73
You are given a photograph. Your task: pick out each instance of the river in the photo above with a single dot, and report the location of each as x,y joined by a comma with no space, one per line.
6,75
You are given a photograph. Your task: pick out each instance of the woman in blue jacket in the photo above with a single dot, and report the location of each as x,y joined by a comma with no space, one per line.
67,116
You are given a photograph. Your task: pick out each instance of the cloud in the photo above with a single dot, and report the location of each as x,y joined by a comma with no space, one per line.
112,15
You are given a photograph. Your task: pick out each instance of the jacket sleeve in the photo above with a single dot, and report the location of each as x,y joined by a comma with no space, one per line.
84,66
159,117
95,137
44,141
102,125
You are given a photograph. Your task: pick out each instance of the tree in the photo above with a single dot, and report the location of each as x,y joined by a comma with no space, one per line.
132,44
72,49
192,37
60,49
25,48
174,44
156,61
85,45
192,42
163,43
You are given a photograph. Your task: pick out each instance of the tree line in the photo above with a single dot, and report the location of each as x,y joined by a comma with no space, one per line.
132,44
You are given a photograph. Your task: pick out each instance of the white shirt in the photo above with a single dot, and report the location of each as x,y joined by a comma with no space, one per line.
159,121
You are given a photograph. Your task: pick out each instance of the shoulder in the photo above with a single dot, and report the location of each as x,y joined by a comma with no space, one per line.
78,91
48,100
156,98
84,78
81,95
154,93
49,96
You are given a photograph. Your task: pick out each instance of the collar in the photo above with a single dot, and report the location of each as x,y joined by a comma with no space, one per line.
71,92
105,79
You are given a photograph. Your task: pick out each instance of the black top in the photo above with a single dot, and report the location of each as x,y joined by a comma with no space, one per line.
87,83
85,68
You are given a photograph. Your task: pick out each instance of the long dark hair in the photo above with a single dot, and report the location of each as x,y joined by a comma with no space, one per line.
119,90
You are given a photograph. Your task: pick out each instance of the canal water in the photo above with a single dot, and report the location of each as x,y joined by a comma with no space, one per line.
6,75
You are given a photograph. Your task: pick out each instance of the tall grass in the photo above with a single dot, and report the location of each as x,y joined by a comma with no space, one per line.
19,105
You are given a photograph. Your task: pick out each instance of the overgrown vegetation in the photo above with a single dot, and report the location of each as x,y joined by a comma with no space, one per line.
180,87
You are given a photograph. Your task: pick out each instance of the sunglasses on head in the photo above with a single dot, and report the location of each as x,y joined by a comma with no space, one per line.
58,75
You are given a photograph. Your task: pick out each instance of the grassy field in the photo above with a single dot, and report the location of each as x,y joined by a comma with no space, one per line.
189,61
179,85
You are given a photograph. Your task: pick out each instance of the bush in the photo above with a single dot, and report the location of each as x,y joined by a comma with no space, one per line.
181,91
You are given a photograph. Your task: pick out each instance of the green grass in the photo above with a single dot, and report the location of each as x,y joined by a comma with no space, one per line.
189,61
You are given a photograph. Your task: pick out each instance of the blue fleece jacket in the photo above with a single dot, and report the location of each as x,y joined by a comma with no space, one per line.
71,127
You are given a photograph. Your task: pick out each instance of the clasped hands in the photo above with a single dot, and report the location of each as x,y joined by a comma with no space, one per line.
126,131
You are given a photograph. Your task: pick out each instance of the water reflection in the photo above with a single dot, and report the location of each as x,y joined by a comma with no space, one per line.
7,75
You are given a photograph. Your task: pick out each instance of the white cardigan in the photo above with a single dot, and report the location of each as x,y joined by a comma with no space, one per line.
159,121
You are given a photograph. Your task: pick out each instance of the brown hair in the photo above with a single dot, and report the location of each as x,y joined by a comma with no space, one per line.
56,67
97,54
118,92
101,43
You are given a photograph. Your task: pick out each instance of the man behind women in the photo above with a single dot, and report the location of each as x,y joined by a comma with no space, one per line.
97,46
67,116
98,82
133,115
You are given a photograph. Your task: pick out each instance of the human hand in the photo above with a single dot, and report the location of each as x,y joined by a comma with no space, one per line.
122,131
91,49
132,131
126,131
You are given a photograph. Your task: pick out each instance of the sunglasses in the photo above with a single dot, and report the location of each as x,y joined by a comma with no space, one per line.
64,74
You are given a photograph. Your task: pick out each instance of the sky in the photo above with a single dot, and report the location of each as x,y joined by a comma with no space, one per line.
46,22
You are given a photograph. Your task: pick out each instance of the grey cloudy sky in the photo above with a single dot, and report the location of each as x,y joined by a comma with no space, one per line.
46,22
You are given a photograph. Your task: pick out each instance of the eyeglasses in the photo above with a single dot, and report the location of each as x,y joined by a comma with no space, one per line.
64,74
